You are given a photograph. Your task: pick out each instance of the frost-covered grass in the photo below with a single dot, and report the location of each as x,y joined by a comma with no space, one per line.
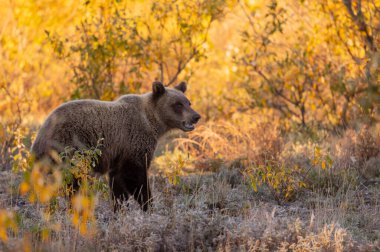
209,212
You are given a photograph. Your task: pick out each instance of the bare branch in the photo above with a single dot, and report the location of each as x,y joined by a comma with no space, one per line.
359,20
356,59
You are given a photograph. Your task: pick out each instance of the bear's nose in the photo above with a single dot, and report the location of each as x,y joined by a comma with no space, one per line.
196,118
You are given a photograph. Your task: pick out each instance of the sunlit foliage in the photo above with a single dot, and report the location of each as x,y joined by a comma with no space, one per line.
316,63
117,49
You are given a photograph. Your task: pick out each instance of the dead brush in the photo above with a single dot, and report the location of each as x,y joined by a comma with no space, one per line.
12,147
359,150
255,147
244,138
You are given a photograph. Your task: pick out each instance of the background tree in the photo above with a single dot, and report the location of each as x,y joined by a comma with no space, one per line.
313,63
128,43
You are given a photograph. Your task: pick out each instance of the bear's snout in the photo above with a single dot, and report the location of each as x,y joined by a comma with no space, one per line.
195,118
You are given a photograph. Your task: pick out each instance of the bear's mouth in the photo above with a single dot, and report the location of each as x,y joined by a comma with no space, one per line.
187,126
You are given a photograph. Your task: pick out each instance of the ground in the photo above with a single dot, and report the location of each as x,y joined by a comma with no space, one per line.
209,212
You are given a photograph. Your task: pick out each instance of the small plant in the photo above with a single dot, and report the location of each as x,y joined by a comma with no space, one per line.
282,181
22,159
80,164
322,160
42,183
172,164
8,220
45,181
83,215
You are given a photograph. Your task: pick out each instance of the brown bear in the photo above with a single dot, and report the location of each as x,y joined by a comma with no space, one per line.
130,128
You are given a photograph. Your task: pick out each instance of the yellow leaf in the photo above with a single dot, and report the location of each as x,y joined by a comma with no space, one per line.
45,234
24,188
32,198
3,235
323,164
254,186
45,195
83,228
75,219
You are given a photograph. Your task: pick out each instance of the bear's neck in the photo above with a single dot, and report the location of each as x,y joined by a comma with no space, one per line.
157,126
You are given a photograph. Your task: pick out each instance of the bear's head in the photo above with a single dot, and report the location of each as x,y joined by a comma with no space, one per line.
173,108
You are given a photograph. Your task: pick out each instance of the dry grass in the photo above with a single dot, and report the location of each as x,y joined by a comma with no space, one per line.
213,207
213,212
244,137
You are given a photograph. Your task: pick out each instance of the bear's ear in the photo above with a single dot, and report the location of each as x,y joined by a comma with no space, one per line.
181,87
158,89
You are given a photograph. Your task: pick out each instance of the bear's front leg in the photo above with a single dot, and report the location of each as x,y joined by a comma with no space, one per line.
119,191
131,179
139,187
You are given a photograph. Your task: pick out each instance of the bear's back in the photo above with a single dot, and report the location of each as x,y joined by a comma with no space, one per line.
81,123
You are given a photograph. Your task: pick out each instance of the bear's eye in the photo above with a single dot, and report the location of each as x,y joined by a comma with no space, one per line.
178,107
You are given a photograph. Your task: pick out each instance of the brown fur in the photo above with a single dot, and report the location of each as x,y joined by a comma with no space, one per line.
130,127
